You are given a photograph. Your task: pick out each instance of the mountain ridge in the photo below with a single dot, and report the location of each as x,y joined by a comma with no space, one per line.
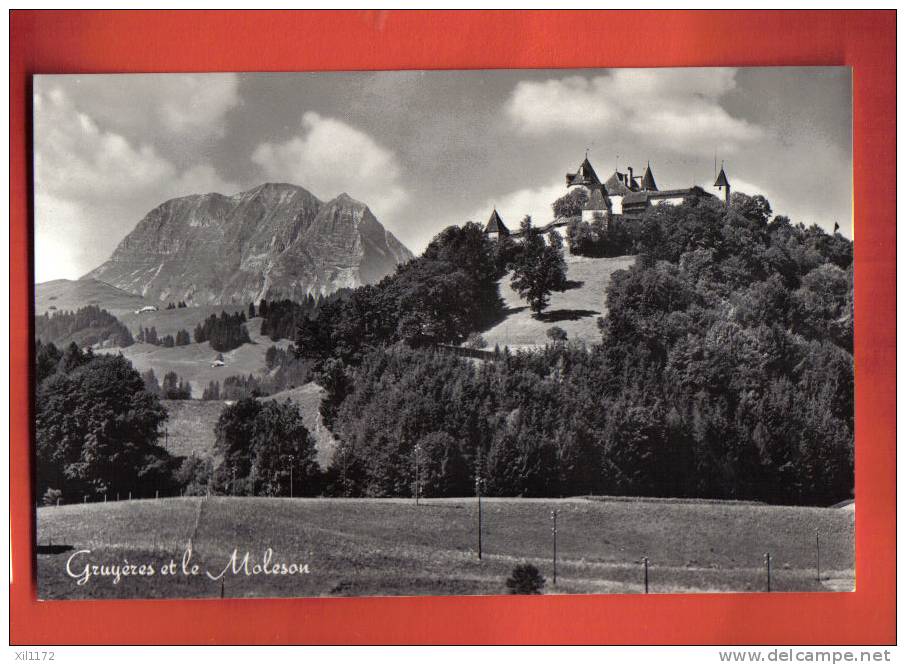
276,240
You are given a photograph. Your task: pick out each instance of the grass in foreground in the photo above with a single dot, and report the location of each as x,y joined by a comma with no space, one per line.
392,547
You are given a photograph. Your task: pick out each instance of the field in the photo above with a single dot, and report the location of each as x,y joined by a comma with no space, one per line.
193,361
576,310
392,547
190,427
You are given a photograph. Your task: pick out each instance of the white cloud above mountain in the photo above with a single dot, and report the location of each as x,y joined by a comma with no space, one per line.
330,156
189,107
678,109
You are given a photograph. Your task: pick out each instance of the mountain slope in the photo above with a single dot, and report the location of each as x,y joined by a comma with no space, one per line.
69,295
273,241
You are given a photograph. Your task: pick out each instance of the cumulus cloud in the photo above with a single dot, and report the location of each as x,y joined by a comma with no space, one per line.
184,107
677,108
329,156
92,186
198,103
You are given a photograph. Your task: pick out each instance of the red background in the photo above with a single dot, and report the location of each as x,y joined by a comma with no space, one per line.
98,41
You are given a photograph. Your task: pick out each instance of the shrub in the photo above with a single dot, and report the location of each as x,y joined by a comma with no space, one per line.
525,580
556,334
476,341
51,496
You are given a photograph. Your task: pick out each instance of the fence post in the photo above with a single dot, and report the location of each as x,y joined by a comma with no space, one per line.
156,494
645,563
478,494
105,498
554,530
58,502
130,495
85,499
767,563
818,554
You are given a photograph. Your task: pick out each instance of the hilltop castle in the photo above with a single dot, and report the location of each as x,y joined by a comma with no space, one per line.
622,195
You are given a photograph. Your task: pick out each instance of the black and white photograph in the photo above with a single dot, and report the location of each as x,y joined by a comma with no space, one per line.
442,333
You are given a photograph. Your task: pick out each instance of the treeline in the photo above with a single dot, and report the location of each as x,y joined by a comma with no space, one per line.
225,333
725,371
441,296
96,428
87,326
149,336
172,386
282,317
235,387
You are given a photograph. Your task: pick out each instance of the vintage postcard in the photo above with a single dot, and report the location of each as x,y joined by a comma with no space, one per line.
443,333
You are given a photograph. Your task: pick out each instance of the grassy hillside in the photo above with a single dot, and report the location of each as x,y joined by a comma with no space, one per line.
190,428
193,361
392,547
308,397
576,310
65,294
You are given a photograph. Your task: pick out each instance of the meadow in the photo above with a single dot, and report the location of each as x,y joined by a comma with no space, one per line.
192,362
393,547
576,309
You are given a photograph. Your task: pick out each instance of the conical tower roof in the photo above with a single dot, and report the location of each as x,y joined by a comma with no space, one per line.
721,179
648,180
598,200
584,176
496,225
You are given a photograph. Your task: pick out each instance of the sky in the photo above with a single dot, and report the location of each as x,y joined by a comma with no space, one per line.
426,149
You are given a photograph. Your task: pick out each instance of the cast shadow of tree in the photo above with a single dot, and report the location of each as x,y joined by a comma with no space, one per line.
555,315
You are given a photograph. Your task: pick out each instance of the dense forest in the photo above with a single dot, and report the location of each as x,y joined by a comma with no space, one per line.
724,370
96,428
87,326
281,318
225,333
441,296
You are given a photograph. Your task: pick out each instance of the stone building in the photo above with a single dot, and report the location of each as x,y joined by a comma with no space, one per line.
622,195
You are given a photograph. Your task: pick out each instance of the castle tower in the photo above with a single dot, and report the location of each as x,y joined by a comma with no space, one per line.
648,183
495,228
723,184
585,176
598,207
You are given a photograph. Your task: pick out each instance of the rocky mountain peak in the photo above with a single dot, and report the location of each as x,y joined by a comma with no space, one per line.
276,240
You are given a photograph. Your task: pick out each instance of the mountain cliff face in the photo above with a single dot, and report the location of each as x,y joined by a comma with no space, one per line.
274,241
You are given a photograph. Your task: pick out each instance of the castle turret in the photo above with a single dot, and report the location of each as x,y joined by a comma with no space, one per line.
648,183
495,227
598,207
584,177
723,184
